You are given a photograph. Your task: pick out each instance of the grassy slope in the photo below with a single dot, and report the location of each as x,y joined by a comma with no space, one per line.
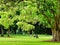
26,40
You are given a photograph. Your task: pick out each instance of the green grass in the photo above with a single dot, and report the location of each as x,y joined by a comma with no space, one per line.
27,40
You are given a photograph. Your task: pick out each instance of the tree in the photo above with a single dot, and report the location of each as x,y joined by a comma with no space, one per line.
2,31
28,15
49,16
6,21
25,26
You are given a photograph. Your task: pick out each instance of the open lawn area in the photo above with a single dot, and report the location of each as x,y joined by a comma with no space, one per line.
27,40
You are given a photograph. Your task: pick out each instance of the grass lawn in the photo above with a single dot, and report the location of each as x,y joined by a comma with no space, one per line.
27,40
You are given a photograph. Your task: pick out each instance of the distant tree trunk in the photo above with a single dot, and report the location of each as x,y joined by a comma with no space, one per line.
8,32
2,32
15,32
28,32
32,32
23,32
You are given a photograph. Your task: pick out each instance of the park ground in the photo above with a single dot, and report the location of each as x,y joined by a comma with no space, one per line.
27,40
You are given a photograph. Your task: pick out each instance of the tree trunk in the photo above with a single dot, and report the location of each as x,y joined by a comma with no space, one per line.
32,32
56,35
8,32
2,32
53,34
23,32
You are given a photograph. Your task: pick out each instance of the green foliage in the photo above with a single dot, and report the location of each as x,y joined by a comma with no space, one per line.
25,26
5,20
27,12
47,11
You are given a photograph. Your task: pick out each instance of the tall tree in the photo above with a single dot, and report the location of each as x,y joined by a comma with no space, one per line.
49,15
